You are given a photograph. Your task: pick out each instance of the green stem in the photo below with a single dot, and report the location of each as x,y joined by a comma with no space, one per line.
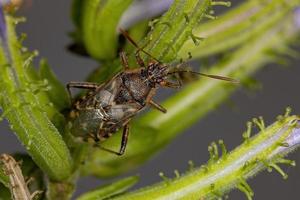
211,181
110,190
237,26
99,20
175,27
60,190
154,130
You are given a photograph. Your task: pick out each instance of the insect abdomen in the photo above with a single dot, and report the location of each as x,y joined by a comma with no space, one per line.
86,123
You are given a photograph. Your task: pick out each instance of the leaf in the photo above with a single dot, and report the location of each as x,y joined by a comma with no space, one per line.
57,92
28,109
110,190
99,20
76,12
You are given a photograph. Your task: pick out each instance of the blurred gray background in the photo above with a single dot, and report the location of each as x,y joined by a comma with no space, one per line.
47,26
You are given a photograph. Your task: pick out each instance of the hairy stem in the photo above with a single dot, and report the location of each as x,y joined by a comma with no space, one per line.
262,151
175,27
236,26
154,130
27,107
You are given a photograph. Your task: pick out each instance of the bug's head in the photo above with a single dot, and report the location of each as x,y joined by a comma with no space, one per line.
156,72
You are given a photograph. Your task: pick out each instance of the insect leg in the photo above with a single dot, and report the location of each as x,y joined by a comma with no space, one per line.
124,60
157,106
123,142
83,85
97,144
137,53
138,58
126,35
171,85
178,79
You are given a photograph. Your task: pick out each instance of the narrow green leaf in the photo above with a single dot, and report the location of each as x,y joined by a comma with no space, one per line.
99,20
110,190
28,109
76,12
57,92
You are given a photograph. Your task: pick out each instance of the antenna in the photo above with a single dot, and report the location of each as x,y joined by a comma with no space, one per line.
207,75
126,35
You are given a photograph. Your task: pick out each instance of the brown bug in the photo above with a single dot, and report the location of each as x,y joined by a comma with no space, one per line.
110,106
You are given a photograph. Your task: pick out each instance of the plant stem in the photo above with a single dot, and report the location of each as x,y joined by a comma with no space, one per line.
174,28
263,151
27,107
99,20
154,130
110,190
236,27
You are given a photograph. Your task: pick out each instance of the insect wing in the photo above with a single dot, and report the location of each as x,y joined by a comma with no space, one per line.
87,122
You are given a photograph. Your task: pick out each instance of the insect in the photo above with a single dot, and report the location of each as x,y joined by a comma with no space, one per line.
110,106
